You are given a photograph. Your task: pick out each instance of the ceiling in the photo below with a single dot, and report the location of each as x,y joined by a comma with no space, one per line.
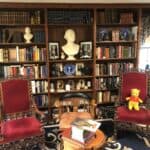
77,1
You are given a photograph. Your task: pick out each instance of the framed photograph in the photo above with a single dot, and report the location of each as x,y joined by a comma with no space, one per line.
79,68
54,50
86,49
60,86
72,84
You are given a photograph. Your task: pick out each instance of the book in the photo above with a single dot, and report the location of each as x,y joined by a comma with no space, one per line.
12,54
1,55
81,135
83,130
86,124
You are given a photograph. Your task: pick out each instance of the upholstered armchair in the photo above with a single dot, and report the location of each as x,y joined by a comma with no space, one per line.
133,120
19,129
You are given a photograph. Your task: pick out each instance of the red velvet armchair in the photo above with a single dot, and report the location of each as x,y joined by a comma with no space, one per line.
133,120
18,125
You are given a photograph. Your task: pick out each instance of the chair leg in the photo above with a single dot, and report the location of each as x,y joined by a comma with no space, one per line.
61,145
146,140
115,131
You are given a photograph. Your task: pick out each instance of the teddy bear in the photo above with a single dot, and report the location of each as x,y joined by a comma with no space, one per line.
134,99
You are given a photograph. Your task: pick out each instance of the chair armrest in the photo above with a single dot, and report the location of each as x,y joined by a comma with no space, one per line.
1,135
147,104
120,103
93,108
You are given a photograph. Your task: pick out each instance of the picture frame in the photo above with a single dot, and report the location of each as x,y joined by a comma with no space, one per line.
79,68
60,86
86,49
53,50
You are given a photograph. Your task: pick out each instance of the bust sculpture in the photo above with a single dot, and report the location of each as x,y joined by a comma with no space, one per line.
28,35
70,48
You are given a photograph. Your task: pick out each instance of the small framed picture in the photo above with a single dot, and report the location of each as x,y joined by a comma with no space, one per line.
54,50
60,86
79,68
86,49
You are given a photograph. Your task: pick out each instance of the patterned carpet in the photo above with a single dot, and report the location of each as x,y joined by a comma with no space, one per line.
129,141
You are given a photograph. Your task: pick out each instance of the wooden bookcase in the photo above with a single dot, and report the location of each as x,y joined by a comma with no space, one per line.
113,32
116,48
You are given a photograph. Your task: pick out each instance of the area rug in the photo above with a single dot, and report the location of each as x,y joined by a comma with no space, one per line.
129,141
52,137
133,141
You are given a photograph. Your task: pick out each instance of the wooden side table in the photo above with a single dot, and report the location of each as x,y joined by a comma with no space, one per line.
93,144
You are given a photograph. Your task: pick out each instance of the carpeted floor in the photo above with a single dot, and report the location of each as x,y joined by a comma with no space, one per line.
132,140
128,139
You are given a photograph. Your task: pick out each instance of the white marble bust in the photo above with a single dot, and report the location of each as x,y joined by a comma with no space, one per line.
70,48
28,35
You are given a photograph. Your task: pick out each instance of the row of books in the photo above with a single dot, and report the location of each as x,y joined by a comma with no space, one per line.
118,51
110,15
127,18
22,54
110,83
106,97
113,68
41,100
39,86
20,17
26,70
38,36
116,34
69,17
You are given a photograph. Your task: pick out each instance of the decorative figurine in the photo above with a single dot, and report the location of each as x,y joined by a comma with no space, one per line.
70,48
134,99
28,35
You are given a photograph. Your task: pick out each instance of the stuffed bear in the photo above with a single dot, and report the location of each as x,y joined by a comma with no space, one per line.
134,99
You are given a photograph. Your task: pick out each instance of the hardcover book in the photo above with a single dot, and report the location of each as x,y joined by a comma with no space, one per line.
12,54
81,135
84,130
86,124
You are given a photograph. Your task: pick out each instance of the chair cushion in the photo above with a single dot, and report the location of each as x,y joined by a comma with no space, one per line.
20,128
142,116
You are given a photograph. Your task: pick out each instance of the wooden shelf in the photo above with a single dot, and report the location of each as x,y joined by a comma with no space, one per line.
117,25
116,59
69,61
116,42
85,31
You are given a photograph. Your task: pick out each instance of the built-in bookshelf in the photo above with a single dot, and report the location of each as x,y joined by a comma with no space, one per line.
111,33
116,49
19,58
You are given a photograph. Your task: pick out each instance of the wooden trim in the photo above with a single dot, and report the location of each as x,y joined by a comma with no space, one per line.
73,5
